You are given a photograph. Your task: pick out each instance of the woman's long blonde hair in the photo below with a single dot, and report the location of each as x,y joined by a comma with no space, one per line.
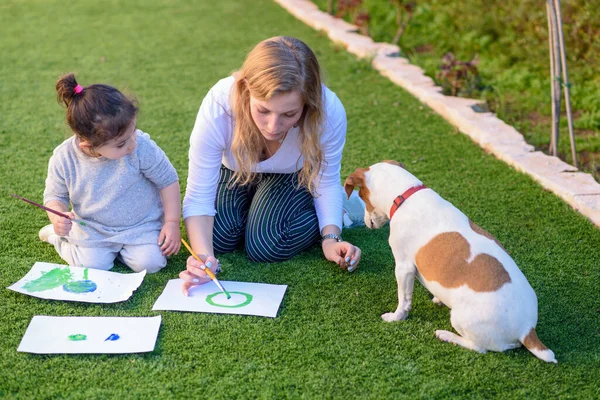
278,65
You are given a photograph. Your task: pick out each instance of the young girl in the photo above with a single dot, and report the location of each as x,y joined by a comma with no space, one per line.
264,165
119,183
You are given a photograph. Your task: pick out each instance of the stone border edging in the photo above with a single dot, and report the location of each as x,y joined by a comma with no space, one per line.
578,189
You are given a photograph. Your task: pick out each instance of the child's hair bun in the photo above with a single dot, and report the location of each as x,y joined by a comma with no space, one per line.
65,88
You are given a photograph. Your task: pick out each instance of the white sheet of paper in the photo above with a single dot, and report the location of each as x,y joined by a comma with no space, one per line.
247,298
62,282
92,335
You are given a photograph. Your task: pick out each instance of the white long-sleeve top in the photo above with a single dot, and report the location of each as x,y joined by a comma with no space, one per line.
210,146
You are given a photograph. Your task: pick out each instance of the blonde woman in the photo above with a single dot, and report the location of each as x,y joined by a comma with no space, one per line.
264,163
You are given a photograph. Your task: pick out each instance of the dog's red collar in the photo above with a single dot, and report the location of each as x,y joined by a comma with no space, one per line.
403,197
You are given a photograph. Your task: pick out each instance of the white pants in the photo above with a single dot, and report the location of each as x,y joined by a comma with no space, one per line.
137,257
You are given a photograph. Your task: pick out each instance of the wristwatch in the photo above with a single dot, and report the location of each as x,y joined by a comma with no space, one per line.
335,236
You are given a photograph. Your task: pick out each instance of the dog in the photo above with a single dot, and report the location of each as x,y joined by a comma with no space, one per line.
493,307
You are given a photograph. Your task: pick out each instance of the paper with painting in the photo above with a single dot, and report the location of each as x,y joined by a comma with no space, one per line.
247,298
62,282
90,335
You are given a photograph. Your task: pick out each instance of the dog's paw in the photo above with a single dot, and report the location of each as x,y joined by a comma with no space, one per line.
392,316
445,336
450,337
437,301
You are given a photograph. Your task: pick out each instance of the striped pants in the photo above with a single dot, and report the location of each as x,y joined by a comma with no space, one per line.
274,217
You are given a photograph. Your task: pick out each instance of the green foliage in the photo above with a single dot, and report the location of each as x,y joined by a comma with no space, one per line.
510,39
328,340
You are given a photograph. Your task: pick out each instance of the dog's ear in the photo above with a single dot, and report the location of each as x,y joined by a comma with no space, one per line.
399,164
356,179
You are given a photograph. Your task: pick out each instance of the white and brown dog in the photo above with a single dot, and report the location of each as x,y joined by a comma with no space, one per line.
493,307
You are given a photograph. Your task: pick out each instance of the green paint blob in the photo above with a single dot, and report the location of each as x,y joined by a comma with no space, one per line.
209,300
49,280
85,274
77,337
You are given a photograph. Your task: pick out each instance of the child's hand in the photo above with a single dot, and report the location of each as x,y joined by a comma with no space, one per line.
62,226
169,239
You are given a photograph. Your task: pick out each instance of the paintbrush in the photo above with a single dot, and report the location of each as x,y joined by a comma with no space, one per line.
48,209
206,270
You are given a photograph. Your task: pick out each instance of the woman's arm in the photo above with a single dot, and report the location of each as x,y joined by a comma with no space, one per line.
329,202
209,139
329,205
200,232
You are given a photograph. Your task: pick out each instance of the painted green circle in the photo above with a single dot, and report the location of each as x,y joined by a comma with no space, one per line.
84,286
209,300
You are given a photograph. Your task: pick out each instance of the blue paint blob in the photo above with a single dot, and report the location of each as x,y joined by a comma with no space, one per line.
113,337
84,286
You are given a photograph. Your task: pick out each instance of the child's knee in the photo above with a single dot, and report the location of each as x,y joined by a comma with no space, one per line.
148,258
150,264
103,267
93,259
154,266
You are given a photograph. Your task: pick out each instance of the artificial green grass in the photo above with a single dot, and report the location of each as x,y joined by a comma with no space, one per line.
328,340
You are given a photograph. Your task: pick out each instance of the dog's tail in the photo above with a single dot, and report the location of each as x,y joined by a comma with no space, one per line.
533,343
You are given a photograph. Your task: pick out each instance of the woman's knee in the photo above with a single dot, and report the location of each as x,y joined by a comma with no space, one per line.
278,246
270,240
227,235
232,205
260,252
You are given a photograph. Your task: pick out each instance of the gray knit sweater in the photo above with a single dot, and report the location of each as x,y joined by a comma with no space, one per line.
119,200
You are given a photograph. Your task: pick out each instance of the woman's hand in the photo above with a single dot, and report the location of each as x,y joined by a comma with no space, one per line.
62,226
344,254
169,239
193,275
